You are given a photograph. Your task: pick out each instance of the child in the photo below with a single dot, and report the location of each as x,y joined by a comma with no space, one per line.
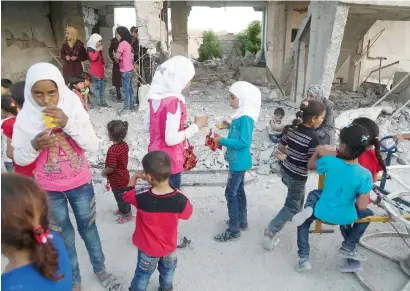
17,91
86,93
116,165
298,144
158,211
8,117
276,127
326,131
125,57
37,257
97,63
77,85
61,166
335,204
6,85
246,100
371,159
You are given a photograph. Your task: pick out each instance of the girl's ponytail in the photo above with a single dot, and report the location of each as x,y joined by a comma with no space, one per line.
379,157
45,256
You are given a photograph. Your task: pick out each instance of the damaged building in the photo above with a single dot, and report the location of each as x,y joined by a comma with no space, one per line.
303,42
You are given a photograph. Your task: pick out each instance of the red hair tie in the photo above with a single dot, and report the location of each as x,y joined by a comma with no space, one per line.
41,235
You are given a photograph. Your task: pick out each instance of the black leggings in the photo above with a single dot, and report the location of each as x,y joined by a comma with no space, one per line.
123,207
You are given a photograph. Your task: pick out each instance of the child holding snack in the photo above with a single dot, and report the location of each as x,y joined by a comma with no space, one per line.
158,211
116,164
246,100
77,85
276,126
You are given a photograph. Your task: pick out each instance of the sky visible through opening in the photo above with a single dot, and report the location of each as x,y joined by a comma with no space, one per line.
229,19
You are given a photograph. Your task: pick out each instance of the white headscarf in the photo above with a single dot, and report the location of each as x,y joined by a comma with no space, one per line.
249,100
92,41
30,120
171,78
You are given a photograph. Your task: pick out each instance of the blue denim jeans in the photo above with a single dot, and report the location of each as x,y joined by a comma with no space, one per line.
236,200
82,201
126,78
98,85
312,198
293,202
146,265
350,233
9,167
175,181
353,233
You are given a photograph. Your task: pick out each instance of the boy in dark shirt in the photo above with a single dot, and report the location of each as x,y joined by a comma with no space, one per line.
158,211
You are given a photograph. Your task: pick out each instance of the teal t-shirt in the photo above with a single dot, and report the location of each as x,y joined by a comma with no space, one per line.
343,182
238,144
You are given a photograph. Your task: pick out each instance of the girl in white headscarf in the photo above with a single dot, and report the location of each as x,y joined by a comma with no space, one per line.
166,115
246,99
97,64
53,130
326,131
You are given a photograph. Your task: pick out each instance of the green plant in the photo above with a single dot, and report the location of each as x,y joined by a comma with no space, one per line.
250,38
210,46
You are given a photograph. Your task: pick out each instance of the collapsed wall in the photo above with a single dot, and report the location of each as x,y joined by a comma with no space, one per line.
27,37
151,28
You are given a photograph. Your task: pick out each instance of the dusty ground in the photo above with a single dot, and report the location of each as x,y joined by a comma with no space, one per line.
243,264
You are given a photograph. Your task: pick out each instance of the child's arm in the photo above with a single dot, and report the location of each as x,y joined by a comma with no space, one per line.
401,137
362,201
283,149
110,164
245,138
9,152
275,126
187,212
86,101
320,151
94,55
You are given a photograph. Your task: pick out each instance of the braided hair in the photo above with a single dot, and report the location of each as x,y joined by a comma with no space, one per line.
353,142
374,140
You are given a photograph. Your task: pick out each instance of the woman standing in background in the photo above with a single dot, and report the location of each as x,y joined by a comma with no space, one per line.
116,74
72,53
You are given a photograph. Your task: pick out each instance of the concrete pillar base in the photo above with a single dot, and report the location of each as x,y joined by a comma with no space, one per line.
179,21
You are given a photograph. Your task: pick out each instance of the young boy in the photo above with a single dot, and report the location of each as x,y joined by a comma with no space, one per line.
159,209
276,127
6,86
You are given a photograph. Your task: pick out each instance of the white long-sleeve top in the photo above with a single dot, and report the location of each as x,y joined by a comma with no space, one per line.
173,135
81,132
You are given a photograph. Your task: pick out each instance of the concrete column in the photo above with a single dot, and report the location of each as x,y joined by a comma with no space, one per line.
288,36
353,77
326,34
106,23
298,84
276,36
179,22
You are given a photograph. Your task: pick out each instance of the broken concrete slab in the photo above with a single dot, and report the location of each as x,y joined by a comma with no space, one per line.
264,169
266,155
348,116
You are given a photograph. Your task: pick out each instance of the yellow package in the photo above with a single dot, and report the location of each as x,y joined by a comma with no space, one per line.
49,121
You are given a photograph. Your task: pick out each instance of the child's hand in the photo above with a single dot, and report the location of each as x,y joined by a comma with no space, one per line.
103,173
44,140
58,114
67,58
217,140
226,124
201,121
73,58
137,175
324,150
398,137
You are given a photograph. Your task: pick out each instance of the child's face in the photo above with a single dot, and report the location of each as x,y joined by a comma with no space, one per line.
234,101
80,86
45,93
3,114
86,83
317,120
278,117
5,91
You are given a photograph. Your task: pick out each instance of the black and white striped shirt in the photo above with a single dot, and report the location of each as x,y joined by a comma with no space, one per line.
301,144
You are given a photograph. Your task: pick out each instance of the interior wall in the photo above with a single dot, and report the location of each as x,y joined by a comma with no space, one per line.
26,35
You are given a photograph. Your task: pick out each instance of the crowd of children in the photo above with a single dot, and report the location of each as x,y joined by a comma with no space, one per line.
52,150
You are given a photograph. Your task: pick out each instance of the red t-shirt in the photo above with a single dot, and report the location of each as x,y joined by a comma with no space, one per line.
7,128
117,158
157,220
369,161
